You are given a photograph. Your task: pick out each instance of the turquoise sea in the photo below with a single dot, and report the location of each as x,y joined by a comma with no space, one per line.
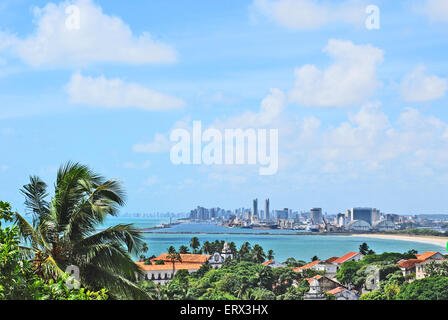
302,247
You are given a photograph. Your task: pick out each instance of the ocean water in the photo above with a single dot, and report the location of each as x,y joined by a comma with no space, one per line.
302,247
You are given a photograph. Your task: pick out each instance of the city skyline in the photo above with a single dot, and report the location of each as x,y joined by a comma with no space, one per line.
361,112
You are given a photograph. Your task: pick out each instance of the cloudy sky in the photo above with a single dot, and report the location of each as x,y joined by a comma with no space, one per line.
361,113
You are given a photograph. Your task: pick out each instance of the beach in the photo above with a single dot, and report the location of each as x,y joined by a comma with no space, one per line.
438,241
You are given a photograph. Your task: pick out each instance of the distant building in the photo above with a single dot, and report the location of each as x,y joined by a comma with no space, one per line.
266,209
364,214
358,225
384,225
316,215
255,208
340,220
282,214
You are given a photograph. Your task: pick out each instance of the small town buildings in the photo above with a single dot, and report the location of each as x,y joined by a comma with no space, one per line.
162,273
341,293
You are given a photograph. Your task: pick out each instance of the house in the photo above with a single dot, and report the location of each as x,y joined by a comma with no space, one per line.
408,266
163,273
326,266
418,265
274,264
351,256
430,255
325,283
420,271
341,293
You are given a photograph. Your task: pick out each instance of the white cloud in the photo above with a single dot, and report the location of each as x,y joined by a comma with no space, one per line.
271,108
309,14
100,38
158,145
370,141
419,87
436,10
350,80
115,93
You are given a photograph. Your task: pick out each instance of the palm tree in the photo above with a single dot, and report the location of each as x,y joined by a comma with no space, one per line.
184,249
144,248
173,256
207,247
64,232
270,255
195,244
258,254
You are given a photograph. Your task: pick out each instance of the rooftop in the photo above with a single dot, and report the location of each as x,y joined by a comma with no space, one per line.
346,257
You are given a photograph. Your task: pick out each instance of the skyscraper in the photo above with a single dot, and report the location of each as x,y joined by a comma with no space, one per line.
266,209
255,208
364,214
316,215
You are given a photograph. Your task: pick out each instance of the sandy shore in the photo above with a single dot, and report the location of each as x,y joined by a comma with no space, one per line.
438,241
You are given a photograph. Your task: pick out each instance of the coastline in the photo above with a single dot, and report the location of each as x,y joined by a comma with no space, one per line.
438,241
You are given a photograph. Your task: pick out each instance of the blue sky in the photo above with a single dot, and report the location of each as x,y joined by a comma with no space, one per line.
361,113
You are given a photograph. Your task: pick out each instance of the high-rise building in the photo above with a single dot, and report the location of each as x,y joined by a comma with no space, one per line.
255,208
266,209
316,215
364,214
282,214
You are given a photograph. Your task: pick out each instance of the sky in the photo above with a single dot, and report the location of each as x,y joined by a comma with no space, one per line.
361,112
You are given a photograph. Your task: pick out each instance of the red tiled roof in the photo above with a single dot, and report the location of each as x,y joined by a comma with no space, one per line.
307,266
336,290
426,255
317,277
408,264
345,257
268,262
332,259
168,266
186,258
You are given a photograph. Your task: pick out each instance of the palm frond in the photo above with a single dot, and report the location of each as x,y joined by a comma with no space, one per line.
35,193
125,234
97,277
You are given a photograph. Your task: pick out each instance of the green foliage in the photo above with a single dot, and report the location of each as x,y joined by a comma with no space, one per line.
159,262
365,250
64,231
18,280
431,288
434,268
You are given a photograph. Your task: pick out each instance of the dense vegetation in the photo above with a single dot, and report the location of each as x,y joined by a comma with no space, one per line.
18,280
